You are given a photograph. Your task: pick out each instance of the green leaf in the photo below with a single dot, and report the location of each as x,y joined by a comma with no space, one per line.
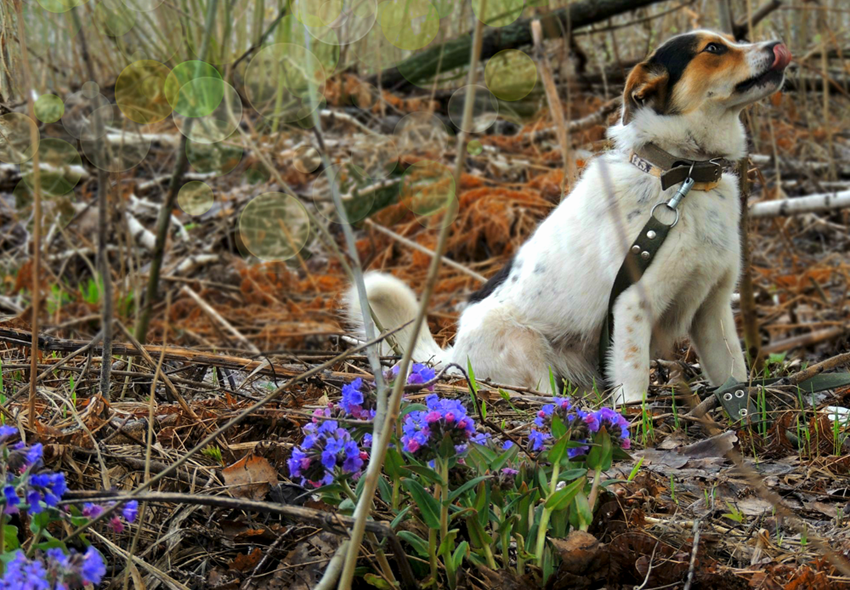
467,486
477,534
399,517
558,450
393,463
459,554
418,543
447,447
564,497
52,544
471,374
585,513
484,409
411,408
571,474
497,464
427,473
558,428
377,581
10,537
602,452
428,506
448,544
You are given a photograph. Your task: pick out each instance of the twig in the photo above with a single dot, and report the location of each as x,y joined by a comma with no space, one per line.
694,548
749,314
743,28
420,248
36,224
804,340
379,450
207,309
107,301
173,187
555,108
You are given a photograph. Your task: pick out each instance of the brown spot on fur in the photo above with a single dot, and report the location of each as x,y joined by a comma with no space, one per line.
629,329
636,366
638,318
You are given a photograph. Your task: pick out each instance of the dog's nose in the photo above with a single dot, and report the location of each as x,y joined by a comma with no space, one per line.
781,56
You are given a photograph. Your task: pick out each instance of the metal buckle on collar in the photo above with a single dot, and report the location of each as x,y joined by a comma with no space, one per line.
673,203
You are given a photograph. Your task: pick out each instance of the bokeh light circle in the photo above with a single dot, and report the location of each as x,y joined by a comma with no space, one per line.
194,88
356,190
18,138
307,159
60,6
78,119
324,44
427,188
213,158
113,18
195,198
349,20
49,108
140,92
497,13
256,173
485,109
409,24
510,74
60,165
421,132
219,124
474,147
143,5
274,226
280,79
90,89
125,146
377,157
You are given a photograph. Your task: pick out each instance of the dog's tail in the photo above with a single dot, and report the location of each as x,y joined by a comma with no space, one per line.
393,303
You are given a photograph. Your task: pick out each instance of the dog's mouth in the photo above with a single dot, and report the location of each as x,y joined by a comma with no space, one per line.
773,75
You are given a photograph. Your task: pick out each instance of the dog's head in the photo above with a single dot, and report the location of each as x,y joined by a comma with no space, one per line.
704,71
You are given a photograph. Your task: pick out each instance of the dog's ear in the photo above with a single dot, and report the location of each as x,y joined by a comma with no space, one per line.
644,88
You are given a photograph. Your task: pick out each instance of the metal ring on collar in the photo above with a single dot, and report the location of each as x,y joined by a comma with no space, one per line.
676,211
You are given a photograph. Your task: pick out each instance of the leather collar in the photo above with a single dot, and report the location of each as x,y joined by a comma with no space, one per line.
671,170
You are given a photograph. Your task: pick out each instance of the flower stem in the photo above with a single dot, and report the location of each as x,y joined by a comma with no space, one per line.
594,489
544,518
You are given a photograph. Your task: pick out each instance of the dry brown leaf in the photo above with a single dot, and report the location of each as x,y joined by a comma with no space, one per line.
250,477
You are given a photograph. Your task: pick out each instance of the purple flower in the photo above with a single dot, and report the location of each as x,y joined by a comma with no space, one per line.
45,487
130,511
419,374
22,574
536,439
34,454
331,450
423,430
92,510
7,431
53,569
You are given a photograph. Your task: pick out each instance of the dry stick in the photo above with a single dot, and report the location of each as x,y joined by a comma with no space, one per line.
36,225
229,424
177,397
164,217
379,450
797,206
694,548
555,108
148,442
102,227
749,314
420,248
207,308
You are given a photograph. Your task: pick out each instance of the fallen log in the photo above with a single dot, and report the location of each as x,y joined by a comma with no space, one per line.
455,53
800,205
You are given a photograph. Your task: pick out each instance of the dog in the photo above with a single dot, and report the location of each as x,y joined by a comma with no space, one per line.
544,311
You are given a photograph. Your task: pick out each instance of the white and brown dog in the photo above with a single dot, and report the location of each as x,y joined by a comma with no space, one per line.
544,310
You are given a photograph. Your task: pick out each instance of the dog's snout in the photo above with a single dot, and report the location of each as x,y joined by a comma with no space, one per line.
781,55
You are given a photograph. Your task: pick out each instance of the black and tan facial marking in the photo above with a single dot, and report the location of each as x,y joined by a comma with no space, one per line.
690,71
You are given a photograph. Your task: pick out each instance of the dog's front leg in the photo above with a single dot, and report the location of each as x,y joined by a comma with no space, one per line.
629,360
716,341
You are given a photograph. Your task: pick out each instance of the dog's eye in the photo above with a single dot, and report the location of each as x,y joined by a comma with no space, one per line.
715,48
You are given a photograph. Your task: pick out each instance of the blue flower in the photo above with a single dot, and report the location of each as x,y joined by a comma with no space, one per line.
22,574
92,569
12,500
328,450
537,439
424,430
7,431
130,511
34,454
46,487
419,374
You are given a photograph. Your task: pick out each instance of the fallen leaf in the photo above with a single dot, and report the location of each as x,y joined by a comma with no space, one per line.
250,477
